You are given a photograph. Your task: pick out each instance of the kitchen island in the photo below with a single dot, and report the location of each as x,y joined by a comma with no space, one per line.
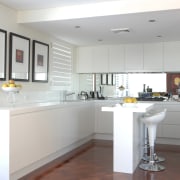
127,135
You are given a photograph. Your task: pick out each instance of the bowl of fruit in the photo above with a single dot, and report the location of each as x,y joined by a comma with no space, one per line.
129,101
11,86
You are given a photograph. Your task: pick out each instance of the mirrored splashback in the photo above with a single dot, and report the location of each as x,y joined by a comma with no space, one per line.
132,83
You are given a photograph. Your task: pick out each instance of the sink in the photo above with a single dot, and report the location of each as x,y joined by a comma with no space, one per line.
74,100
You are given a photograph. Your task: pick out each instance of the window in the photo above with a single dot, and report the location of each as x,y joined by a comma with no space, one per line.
133,83
61,76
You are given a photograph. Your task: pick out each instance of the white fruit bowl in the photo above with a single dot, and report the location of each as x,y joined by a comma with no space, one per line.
11,89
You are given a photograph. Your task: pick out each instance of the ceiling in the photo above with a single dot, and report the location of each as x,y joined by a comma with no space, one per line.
97,30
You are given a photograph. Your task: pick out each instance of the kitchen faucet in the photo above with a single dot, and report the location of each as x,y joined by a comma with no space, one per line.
65,94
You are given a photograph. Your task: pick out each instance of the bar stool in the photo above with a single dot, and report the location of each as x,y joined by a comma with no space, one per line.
151,120
147,148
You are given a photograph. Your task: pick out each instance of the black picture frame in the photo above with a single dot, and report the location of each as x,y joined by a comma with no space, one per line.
103,79
3,54
40,62
19,57
109,79
113,79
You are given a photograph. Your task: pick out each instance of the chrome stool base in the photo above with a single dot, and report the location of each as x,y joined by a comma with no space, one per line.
157,159
151,167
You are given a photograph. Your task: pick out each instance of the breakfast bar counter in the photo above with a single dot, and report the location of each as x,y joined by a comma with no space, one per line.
127,135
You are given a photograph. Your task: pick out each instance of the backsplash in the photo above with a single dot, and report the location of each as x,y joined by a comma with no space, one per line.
31,97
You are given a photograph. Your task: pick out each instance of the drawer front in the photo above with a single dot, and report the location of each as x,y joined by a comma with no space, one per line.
172,118
171,131
159,130
172,107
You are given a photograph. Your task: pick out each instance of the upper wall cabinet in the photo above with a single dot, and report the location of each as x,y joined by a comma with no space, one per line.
92,59
116,58
153,57
134,57
100,56
172,56
84,60
149,57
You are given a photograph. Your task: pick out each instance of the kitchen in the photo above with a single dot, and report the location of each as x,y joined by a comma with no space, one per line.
157,56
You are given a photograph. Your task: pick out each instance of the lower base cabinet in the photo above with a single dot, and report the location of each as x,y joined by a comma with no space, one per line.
103,120
38,136
169,129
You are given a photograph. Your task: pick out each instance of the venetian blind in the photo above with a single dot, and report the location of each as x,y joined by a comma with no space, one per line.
61,65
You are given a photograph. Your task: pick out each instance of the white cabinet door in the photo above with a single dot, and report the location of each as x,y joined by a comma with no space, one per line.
92,59
153,57
171,123
84,60
103,120
42,133
172,56
116,58
100,56
134,57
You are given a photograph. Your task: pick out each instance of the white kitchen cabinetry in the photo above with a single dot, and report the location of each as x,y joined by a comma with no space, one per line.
171,124
172,56
39,136
100,56
84,60
116,58
153,57
134,57
103,121
92,59
168,131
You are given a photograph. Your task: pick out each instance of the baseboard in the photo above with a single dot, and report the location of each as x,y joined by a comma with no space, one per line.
170,141
103,136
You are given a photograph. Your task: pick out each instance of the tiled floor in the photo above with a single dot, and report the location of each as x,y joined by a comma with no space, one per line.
96,162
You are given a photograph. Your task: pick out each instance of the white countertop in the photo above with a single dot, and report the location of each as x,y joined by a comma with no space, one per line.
37,106
135,107
31,107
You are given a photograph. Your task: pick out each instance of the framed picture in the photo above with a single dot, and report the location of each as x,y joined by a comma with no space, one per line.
104,79
40,62
3,45
173,82
113,79
19,57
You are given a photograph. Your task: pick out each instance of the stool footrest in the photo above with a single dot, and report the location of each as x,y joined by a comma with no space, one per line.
157,159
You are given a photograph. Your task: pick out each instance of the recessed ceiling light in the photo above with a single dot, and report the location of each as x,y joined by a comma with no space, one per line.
100,40
152,20
159,36
77,27
120,30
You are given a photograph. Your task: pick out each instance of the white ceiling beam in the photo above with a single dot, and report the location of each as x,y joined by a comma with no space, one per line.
96,9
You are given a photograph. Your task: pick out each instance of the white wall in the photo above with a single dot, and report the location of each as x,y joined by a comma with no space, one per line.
8,22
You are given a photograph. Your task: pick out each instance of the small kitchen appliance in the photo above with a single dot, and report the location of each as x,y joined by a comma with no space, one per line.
83,95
